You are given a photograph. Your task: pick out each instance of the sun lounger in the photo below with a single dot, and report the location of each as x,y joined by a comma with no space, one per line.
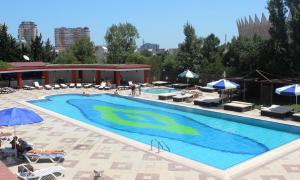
71,85
276,111
56,86
208,102
63,86
4,91
26,87
78,85
238,106
49,172
48,87
296,117
102,85
130,83
89,85
181,97
37,85
206,89
36,155
166,96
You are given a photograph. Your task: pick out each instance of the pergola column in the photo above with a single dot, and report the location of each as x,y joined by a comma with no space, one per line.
46,77
74,76
19,80
98,76
117,77
146,76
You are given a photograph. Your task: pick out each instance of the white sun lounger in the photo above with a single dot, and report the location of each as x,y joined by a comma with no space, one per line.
35,157
89,85
48,87
26,87
64,86
56,86
54,171
71,85
102,85
78,85
37,85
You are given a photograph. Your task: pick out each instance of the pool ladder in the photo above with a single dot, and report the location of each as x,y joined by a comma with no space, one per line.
161,145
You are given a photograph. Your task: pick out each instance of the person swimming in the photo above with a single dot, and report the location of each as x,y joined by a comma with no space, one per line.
85,94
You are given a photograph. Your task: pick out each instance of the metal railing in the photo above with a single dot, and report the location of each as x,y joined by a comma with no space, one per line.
161,145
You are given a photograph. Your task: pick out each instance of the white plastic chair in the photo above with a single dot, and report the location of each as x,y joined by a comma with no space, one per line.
54,171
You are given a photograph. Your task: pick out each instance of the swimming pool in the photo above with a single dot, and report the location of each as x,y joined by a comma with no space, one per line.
159,90
216,139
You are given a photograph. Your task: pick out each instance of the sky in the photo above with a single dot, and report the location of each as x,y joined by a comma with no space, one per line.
157,21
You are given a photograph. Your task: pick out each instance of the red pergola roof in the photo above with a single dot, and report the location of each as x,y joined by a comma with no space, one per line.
41,66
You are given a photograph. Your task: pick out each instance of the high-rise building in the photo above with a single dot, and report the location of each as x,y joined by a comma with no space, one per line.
65,37
27,31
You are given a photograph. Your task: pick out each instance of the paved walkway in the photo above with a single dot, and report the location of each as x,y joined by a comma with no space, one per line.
89,149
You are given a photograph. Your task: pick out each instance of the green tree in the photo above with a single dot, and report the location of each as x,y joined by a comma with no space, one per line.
121,42
9,48
81,52
279,38
210,47
189,51
49,52
36,49
294,29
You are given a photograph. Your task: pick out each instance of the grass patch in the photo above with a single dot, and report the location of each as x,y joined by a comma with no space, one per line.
296,107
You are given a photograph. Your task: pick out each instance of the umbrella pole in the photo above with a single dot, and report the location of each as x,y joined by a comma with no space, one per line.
296,100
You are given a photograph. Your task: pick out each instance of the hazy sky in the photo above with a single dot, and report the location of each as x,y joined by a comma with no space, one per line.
157,21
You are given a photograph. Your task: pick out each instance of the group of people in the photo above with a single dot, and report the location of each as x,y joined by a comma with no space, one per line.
21,145
133,89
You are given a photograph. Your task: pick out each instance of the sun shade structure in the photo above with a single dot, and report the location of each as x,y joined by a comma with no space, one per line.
290,90
223,84
188,75
18,116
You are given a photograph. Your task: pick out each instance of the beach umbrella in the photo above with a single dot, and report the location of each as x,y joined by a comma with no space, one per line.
290,90
18,116
188,75
223,84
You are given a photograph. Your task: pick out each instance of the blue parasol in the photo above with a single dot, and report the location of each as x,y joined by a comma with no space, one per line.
18,116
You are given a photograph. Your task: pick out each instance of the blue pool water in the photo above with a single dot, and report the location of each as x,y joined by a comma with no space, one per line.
216,139
159,90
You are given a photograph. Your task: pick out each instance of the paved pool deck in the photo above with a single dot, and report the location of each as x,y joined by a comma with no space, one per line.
89,148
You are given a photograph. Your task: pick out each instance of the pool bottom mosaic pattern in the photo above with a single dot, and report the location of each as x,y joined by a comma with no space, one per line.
215,139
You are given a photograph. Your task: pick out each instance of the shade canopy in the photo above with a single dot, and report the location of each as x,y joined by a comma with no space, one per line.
223,84
290,90
18,116
188,74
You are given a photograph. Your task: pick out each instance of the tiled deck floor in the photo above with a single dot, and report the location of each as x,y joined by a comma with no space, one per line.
89,150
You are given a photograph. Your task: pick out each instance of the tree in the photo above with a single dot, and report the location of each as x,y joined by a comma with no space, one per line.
49,52
294,29
81,52
210,47
189,51
37,50
9,48
121,42
279,37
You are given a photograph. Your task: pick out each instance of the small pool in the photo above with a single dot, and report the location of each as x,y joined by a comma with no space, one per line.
159,90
